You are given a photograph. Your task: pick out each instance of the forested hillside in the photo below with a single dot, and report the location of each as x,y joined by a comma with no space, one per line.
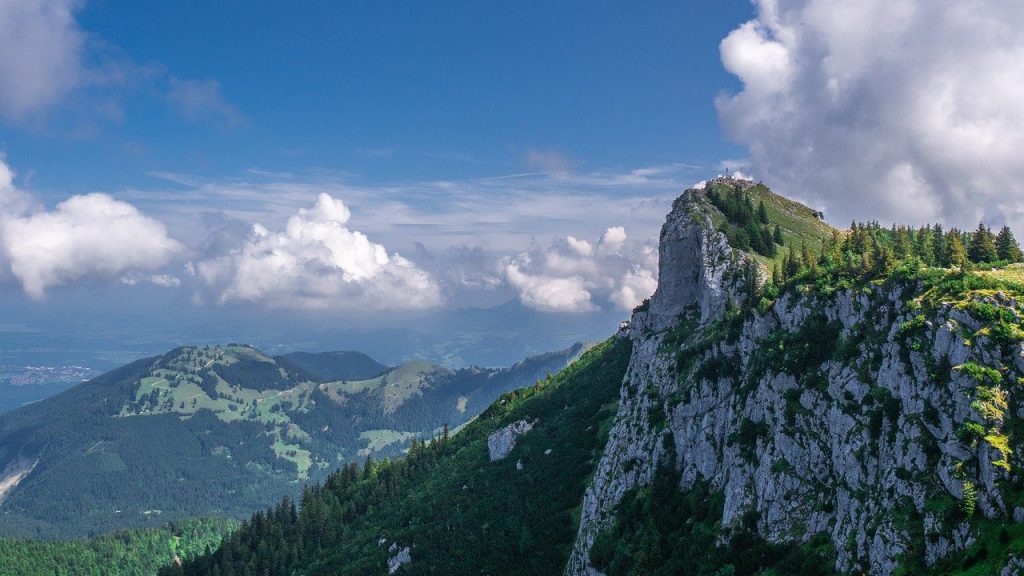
333,366
139,552
446,506
221,431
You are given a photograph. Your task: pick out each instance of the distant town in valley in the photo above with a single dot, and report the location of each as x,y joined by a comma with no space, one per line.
39,375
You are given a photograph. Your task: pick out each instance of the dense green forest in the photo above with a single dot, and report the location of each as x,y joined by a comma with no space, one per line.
333,366
139,552
869,251
804,252
747,228
458,512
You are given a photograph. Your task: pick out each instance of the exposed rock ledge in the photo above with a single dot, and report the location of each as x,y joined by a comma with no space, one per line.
13,475
399,560
501,443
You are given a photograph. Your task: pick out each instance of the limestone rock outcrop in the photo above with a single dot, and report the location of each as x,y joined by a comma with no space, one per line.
894,411
502,441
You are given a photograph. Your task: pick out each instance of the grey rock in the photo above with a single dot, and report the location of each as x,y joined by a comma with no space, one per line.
1014,567
398,560
501,442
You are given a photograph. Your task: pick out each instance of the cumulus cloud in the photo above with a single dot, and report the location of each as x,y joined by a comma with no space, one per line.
40,54
907,110
316,261
86,236
575,275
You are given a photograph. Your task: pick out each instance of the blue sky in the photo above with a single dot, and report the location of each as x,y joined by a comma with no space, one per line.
462,136
388,91
353,160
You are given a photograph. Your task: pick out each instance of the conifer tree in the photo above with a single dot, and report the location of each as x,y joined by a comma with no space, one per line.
982,245
924,246
867,263
752,286
883,260
807,257
762,213
956,254
904,246
858,238
790,266
939,246
1007,246
777,236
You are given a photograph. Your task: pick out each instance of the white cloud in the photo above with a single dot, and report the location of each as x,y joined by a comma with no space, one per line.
40,54
634,287
463,233
316,261
907,110
550,293
84,237
12,200
613,239
576,276
581,247
163,280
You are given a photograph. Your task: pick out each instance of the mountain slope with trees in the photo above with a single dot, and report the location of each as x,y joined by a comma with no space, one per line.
138,552
447,502
220,431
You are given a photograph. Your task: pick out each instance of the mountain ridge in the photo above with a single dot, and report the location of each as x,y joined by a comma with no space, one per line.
236,428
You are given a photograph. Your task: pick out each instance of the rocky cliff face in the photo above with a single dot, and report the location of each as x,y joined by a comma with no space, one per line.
882,416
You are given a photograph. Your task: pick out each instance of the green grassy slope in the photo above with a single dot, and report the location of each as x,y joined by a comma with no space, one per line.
800,226
458,512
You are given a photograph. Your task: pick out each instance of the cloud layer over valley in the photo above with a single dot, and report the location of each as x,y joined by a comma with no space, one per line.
468,243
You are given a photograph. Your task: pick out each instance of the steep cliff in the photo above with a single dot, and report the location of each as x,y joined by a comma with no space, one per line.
872,417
